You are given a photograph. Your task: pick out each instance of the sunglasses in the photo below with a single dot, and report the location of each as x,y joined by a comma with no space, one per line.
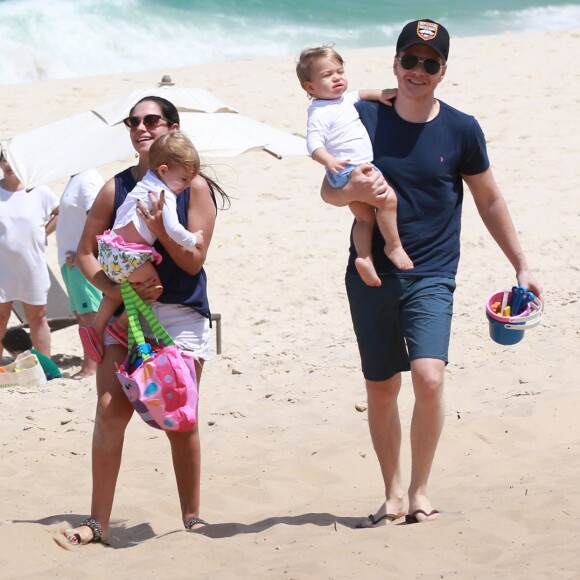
410,61
149,121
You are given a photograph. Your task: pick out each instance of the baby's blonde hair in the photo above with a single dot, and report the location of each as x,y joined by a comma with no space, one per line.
311,55
174,149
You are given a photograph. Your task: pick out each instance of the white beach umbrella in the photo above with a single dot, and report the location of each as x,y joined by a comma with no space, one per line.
81,142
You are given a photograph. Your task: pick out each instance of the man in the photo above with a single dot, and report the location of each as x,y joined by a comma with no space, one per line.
425,149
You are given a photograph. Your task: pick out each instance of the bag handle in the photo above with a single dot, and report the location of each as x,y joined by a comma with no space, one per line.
135,305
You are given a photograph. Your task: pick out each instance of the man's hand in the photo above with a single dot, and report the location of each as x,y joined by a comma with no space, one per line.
368,185
529,282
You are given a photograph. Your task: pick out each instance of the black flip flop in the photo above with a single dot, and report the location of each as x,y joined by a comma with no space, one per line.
412,518
375,521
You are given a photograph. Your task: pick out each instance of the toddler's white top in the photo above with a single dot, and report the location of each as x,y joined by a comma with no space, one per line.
336,126
128,213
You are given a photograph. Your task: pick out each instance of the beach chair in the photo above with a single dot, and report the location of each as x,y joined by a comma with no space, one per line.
217,318
59,314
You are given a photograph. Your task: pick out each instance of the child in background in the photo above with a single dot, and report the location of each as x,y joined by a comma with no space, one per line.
17,340
125,251
337,139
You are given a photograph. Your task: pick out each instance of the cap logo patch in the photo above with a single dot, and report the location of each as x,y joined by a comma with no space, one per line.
427,30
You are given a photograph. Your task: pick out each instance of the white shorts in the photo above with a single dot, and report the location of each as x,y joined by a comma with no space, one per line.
189,329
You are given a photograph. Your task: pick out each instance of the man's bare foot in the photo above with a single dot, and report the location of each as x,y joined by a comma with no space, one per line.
400,258
366,270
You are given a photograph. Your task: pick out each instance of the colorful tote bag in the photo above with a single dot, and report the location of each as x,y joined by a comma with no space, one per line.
158,379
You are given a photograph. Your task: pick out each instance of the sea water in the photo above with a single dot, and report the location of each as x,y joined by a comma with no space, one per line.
52,39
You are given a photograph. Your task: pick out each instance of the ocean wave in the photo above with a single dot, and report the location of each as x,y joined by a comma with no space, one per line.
77,38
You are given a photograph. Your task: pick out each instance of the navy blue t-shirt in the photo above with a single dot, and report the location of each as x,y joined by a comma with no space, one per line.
423,163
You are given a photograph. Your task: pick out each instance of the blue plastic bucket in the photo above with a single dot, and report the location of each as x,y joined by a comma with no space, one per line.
503,332
504,329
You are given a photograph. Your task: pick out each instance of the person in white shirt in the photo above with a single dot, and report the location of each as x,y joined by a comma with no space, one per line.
84,298
126,251
26,218
337,139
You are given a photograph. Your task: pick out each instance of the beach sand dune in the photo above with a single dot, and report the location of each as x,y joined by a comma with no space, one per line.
288,466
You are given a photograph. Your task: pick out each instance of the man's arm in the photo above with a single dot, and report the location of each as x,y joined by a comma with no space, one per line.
494,212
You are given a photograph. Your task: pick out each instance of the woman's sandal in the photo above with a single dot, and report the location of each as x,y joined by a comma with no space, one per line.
94,526
194,521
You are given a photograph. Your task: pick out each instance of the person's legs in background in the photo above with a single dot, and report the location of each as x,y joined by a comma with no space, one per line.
39,329
5,310
84,300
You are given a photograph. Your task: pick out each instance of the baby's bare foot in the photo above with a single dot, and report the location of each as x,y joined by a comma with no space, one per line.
400,258
366,270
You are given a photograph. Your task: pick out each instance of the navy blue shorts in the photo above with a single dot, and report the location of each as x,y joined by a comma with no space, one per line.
402,320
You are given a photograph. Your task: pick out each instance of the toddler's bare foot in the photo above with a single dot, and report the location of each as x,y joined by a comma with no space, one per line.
366,270
399,257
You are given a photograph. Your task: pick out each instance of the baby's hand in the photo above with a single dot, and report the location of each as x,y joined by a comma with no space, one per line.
335,165
198,238
387,96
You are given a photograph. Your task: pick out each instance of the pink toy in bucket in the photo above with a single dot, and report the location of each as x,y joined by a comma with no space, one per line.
511,313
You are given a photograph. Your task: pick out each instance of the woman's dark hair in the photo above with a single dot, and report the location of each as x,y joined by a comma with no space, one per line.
169,111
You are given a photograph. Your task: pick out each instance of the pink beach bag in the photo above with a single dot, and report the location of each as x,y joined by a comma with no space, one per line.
158,379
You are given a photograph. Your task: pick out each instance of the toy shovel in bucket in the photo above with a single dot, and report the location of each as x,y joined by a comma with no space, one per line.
508,330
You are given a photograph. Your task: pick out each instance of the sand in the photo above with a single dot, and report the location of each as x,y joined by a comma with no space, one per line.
288,466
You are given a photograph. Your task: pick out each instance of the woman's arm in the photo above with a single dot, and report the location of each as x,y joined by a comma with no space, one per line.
201,216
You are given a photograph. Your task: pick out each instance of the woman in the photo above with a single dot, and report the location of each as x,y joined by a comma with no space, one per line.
183,310
26,218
